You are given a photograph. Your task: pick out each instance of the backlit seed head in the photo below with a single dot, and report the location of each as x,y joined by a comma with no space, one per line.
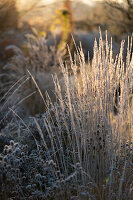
6,147
38,177
10,150
16,145
22,154
11,142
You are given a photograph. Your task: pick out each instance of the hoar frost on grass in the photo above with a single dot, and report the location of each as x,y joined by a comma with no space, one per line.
84,139
17,86
83,127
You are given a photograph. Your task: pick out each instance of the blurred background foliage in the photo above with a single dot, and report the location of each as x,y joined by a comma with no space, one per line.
66,17
9,14
108,14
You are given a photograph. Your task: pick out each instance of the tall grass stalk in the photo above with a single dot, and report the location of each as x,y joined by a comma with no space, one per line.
85,133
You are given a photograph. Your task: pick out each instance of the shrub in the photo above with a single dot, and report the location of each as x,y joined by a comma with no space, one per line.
114,16
125,10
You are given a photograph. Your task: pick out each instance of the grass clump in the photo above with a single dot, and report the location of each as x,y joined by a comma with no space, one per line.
83,145
41,59
85,131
